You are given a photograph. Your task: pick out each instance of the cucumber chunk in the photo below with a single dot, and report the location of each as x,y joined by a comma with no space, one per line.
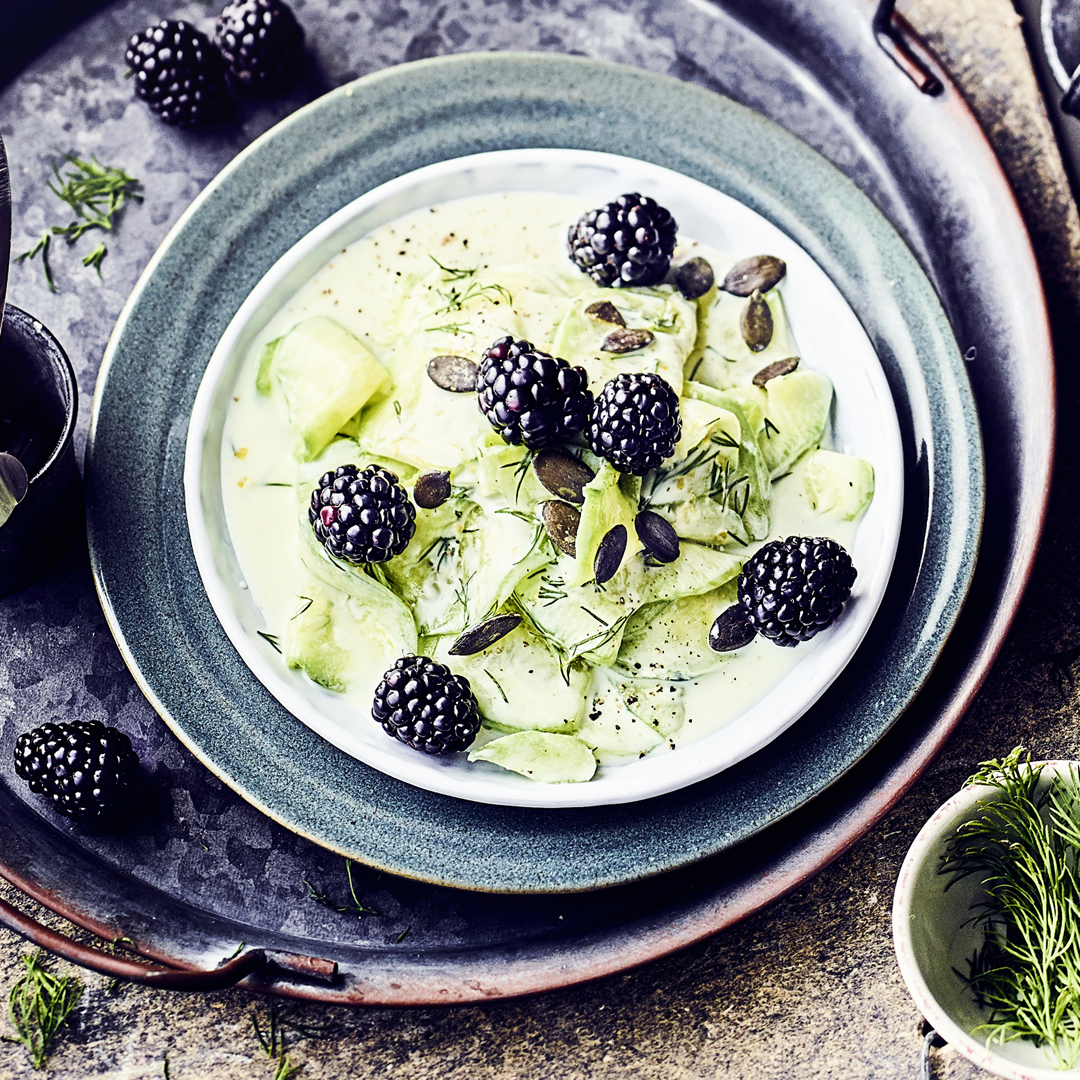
541,756
336,638
325,375
837,484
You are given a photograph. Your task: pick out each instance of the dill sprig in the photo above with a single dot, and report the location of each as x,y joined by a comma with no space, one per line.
1024,845
38,1005
456,299
273,1044
453,273
356,907
702,456
95,193
41,248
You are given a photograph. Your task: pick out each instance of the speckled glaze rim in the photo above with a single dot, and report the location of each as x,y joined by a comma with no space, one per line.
926,849
359,136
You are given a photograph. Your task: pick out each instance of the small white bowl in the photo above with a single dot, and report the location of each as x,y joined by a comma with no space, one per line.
934,940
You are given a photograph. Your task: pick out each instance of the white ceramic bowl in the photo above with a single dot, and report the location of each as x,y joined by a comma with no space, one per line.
831,340
934,939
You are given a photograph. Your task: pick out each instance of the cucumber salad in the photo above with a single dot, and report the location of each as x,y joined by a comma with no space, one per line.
543,485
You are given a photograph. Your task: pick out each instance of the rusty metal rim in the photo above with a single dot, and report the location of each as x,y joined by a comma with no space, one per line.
817,848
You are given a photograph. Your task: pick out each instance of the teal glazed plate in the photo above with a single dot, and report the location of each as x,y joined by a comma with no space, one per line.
295,177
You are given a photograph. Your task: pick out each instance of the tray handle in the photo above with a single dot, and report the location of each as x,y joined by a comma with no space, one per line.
227,974
891,37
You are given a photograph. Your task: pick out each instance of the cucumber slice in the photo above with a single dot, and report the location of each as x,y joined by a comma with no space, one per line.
744,487
519,685
541,756
721,358
325,375
836,484
611,728
670,318
796,412
672,641
610,499
660,704
310,646
577,621
697,570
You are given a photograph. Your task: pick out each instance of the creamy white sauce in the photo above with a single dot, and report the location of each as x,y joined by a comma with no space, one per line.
361,289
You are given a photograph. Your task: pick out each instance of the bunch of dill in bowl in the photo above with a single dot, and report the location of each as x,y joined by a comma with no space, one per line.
986,918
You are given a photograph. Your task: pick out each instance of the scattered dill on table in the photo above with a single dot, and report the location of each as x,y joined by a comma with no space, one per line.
38,1005
96,194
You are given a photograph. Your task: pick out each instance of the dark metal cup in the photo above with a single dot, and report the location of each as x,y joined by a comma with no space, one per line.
38,405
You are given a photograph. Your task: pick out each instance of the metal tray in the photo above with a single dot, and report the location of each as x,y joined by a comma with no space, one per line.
921,157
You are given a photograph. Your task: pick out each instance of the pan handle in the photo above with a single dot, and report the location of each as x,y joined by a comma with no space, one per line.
121,967
892,37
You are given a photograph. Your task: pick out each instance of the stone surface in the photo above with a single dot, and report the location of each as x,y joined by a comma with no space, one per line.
808,988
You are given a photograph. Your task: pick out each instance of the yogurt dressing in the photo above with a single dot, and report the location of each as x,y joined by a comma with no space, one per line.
360,288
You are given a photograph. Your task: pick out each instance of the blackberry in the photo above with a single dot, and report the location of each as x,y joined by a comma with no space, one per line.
420,702
635,422
87,769
530,397
179,73
262,43
792,589
626,242
363,517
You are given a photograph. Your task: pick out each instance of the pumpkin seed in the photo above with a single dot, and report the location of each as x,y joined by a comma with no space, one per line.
776,369
731,630
694,278
758,272
624,341
756,322
609,554
454,373
605,311
658,535
431,490
563,475
561,521
479,637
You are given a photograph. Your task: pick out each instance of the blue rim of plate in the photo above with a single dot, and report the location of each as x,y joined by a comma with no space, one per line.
320,159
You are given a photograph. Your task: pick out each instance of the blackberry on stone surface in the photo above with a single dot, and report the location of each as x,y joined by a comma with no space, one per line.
792,589
422,703
88,770
262,43
626,242
362,516
178,71
635,422
530,397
